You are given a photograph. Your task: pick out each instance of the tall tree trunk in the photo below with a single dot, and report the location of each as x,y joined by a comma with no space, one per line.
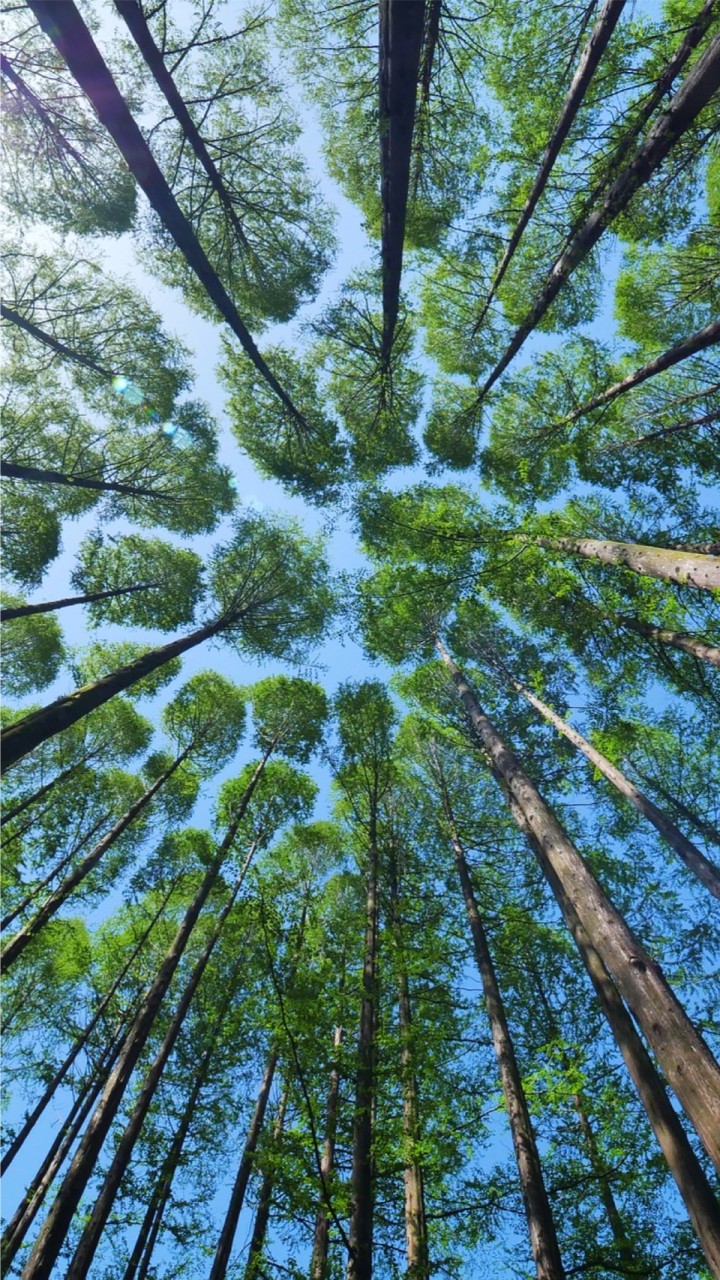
73,41
686,567
62,143
49,606
62,1071
696,862
699,341
237,1196
319,1262
50,1239
415,1220
401,35
95,1226
683,109
26,734
60,866
41,791
676,428
541,1226
592,53
681,1051
676,639
706,829
47,339
362,1190
42,475
262,1213
17,944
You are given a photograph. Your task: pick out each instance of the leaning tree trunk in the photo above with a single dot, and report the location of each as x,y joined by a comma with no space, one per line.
681,1051
686,567
541,1226
49,606
592,53
26,734
50,1240
696,862
675,428
47,339
676,639
262,1213
59,867
362,1191
706,829
694,94
72,39
42,475
319,1262
42,791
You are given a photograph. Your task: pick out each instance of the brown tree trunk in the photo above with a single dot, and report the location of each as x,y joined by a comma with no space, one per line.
541,1226
706,829
50,1240
41,791
362,1190
262,1213
685,567
26,734
73,41
318,1265
49,606
676,639
681,1051
696,862
592,53
60,866
42,475
17,944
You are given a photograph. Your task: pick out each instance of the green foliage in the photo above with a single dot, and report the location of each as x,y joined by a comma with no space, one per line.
94,661
209,712
174,575
32,649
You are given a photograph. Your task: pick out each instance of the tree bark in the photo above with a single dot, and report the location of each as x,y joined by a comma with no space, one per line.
41,791
706,829
50,1239
262,1213
696,862
401,35
687,568
26,734
319,1262
43,475
541,1226
49,606
592,53
676,639
683,109
17,944
362,1190
73,41
681,1051
47,339
52,873
676,428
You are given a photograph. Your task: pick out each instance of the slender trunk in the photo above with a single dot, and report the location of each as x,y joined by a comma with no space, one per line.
262,1213
401,35
52,873
415,1220
683,109
699,341
319,1263
42,475
696,862
676,428
681,1051
431,36
131,12
61,142
49,606
362,1191
237,1197
102,1208
68,32
26,734
62,1071
541,1226
47,339
41,791
592,53
706,829
17,944
702,1207
50,1239
686,567
676,639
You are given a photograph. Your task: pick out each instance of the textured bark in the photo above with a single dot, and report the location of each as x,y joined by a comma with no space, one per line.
592,53
49,606
541,1226
696,862
683,109
50,1240
47,339
362,1190
73,41
681,1051
17,944
401,36
688,568
319,1262
43,475
26,734
262,1213
675,639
